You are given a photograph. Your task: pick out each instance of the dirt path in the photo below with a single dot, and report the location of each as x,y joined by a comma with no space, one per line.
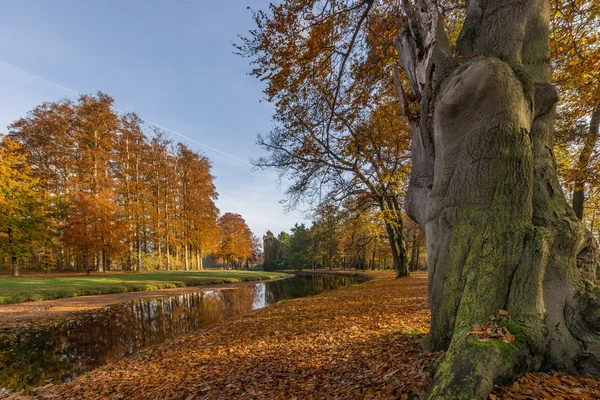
53,311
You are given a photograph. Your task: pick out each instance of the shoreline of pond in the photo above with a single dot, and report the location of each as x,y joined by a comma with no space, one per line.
44,313
51,312
38,354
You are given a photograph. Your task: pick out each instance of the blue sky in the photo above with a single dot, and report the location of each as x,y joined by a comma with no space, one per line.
171,61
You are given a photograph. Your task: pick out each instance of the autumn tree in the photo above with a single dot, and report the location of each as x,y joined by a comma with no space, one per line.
332,142
131,172
161,185
47,139
24,216
235,247
575,45
95,130
114,191
362,232
483,186
198,212
326,234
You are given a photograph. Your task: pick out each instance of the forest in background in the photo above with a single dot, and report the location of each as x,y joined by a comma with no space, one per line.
85,188
341,238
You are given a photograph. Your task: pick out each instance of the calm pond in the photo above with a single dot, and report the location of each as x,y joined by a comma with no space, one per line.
33,357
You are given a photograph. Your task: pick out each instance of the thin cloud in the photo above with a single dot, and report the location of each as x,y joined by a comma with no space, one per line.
37,77
195,141
49,82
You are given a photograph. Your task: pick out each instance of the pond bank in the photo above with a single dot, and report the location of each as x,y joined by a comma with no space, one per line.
50,312
36,355
56,286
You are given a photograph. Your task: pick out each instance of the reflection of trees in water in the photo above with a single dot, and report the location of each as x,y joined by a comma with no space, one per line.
92,339
302,286
30,358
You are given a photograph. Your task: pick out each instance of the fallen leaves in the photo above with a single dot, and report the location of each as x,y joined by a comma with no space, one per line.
357,342
493,329
551,385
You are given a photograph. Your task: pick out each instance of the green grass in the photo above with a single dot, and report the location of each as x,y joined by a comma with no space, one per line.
18,290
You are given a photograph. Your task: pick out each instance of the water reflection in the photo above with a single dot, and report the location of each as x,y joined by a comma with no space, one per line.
30,358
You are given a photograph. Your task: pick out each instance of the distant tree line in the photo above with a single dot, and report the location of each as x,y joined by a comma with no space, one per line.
341,238
83,187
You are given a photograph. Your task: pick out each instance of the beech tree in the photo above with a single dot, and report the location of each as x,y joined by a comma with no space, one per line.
505,248
500,233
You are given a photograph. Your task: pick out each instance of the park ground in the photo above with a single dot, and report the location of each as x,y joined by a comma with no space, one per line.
38,287
357,342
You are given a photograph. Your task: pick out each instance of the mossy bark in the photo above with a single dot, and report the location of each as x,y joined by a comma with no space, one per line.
500,233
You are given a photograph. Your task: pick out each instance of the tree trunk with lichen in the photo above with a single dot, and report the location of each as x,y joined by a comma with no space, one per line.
500,233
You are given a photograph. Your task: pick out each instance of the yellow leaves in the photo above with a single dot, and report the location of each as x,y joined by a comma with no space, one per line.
236,245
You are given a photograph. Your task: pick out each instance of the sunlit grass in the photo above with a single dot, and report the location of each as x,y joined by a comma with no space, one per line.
18,290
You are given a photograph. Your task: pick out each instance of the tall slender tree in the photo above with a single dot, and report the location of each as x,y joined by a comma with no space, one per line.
339,130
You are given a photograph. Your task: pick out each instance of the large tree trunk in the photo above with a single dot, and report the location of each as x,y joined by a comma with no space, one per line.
583,163
500,233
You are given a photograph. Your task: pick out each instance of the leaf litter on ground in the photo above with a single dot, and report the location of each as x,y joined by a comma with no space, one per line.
356,342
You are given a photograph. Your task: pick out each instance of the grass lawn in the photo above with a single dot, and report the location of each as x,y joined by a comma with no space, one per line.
18,290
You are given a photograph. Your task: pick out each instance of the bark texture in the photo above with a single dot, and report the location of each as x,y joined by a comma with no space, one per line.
500,233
